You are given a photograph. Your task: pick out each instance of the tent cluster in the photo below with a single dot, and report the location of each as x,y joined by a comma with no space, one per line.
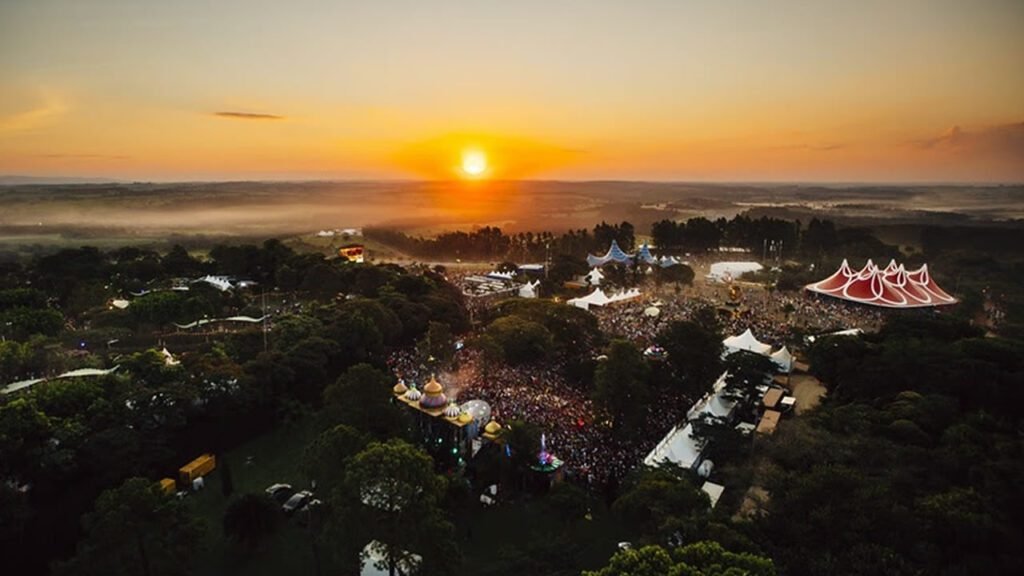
749,343
599,298
643,255
890,287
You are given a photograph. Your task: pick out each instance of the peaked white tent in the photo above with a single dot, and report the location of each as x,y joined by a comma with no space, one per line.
783,359
599,298
746,341
529,290
595,276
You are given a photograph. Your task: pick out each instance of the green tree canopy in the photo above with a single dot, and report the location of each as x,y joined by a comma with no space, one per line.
136,529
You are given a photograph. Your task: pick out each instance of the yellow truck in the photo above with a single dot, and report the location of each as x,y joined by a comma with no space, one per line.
201,466
168,486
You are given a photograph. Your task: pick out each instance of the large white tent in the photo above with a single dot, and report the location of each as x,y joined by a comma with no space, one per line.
746,341
599,298
725,271
679,446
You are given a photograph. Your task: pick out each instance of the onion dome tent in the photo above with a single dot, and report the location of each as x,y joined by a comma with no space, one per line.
413,395
452,410
433,394
400,388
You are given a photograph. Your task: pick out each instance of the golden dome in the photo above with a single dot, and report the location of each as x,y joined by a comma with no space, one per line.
400,388
433,387
492,427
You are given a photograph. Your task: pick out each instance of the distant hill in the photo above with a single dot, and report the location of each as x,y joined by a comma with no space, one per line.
16,180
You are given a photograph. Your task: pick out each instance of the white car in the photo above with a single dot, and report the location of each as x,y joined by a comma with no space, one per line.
298,500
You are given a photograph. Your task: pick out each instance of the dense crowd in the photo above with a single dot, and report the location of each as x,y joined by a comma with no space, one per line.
575,432
773,318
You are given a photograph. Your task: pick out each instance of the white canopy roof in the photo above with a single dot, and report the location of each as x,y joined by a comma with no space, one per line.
678,447
80,373
746,341
720,271
595,276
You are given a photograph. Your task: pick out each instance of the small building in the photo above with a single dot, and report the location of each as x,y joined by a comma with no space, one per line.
772,398
769,421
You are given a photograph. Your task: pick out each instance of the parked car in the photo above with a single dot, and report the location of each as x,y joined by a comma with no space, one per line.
280,492
298,500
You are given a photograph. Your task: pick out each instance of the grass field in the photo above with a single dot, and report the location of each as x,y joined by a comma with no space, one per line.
486,535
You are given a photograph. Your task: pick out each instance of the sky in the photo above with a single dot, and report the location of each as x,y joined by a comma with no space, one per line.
687,90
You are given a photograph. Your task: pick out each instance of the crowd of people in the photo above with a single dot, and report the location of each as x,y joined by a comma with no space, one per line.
576,432
774,318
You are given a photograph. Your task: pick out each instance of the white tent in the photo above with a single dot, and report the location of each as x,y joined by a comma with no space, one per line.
783,359
595,298
715,403
722,271
79,373
678,447
714,491
746,341
594,277
529,290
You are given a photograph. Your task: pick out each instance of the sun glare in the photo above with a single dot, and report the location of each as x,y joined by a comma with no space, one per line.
474,163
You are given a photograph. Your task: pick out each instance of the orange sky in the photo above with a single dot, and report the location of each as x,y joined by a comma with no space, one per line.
730,90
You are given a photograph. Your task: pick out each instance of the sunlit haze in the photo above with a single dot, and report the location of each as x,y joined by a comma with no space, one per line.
730,90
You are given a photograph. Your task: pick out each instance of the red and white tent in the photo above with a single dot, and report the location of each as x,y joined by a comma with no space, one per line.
890,287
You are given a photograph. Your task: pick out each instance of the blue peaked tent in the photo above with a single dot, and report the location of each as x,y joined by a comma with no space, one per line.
615,254
645,255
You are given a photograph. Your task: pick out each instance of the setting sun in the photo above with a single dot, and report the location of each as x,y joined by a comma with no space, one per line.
474,163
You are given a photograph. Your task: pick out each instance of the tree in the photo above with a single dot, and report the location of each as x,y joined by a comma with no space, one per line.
391,495
520,340
361,398
678,274
438,342
695,352
523,440
621,387
658,505
136,529
705,558
251,518
746,371
325,458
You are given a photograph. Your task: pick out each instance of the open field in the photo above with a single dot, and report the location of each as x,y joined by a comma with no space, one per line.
140,214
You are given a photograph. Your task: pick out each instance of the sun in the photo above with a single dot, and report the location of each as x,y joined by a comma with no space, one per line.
474,164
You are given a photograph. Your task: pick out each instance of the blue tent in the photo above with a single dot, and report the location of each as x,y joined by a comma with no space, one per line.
615,254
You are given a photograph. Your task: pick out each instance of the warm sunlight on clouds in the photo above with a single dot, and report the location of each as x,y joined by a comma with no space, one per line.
700,90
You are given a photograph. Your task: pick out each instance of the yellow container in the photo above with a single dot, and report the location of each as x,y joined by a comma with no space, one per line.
199,467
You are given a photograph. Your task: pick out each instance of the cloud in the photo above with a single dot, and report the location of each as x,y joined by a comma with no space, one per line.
247,115
999,139
86,156
48,111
